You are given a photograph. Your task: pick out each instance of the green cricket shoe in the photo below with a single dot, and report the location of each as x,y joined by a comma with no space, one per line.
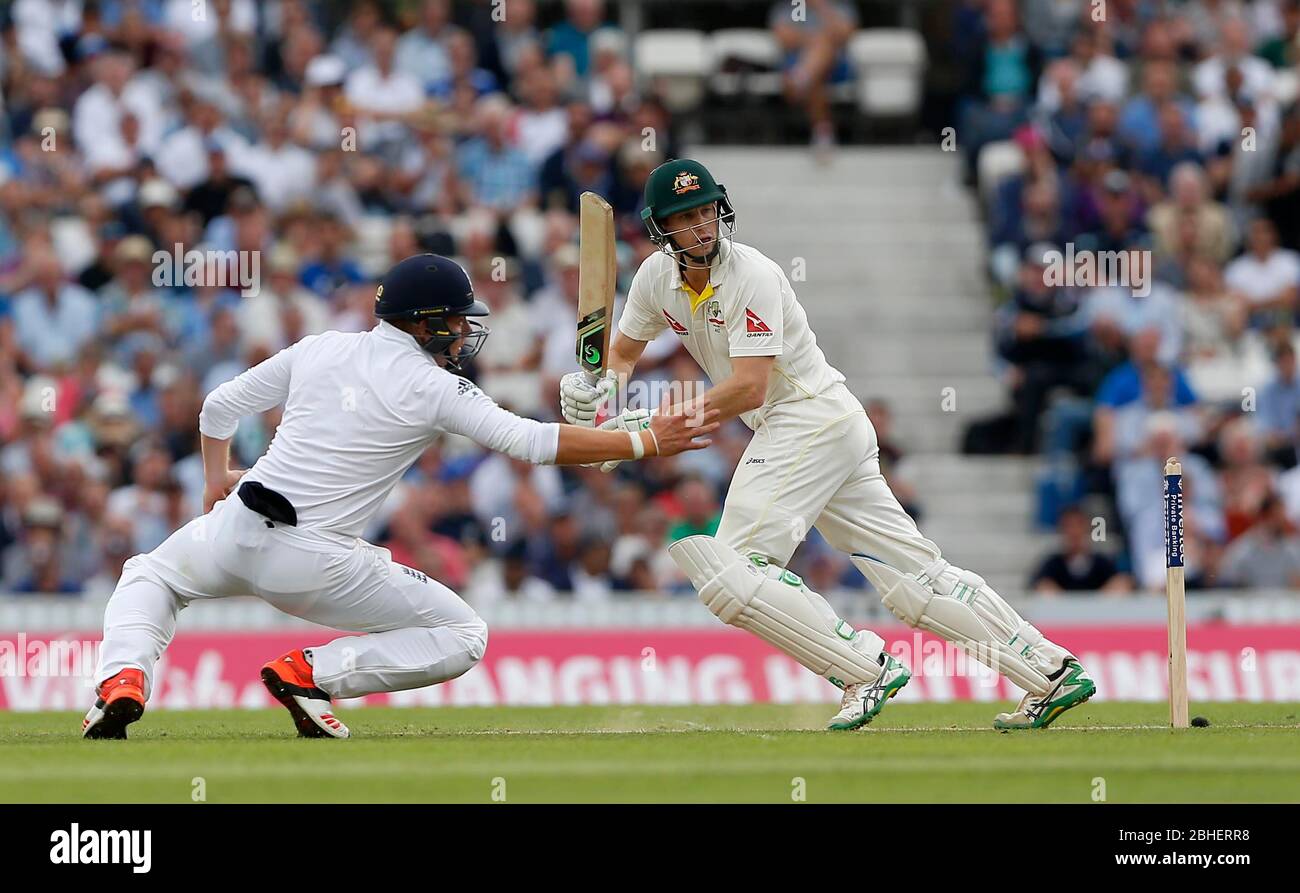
1072,686
863,700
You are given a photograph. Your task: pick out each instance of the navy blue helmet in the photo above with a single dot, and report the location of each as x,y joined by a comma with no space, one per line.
433,288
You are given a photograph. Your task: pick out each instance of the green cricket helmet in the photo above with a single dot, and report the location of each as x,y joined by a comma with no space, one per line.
680,185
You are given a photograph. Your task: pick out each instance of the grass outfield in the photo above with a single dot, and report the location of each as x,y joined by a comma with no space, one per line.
916,753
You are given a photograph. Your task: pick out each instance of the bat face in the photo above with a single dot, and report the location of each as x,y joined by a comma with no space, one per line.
597,280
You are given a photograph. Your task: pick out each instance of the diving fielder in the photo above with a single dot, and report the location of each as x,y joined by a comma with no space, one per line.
813,461
360,408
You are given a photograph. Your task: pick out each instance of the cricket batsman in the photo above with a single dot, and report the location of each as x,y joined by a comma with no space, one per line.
813,461
359,409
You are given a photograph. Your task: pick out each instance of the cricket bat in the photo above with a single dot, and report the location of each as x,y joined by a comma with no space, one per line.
597,280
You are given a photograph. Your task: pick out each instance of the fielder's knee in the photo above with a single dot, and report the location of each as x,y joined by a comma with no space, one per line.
474,633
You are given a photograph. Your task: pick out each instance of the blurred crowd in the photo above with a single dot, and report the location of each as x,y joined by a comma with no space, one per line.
328,140
1166,133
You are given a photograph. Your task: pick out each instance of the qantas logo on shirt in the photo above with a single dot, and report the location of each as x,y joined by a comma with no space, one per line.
754,325
676,326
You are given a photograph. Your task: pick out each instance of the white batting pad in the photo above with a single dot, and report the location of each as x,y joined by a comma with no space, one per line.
961,607
775,605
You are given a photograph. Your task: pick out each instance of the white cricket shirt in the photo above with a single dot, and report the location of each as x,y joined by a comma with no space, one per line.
359,409
748,309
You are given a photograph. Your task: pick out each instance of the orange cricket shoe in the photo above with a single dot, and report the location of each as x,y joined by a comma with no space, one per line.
289,679
120,703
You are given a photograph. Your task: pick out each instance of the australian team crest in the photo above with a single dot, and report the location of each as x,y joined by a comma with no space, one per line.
715,315
685,182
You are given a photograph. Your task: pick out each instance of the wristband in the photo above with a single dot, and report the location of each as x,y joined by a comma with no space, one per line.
653,438
638,445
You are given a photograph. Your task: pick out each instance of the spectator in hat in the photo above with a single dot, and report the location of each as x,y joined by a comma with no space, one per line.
158,203
30,450
315,118
131,302
1120,215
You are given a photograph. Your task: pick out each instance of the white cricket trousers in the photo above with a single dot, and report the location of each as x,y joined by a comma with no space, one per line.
816,463
419,631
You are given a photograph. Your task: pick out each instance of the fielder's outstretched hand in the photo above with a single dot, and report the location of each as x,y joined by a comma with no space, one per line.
683,428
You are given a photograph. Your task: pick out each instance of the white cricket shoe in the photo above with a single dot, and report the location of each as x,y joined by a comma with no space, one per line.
1071,686
863,700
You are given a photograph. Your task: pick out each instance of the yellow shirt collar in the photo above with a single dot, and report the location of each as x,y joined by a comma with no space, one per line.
697,299
717,271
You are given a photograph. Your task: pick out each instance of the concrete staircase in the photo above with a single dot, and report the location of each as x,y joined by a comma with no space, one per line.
892,252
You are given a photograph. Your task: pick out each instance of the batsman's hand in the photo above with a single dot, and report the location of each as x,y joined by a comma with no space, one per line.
580,400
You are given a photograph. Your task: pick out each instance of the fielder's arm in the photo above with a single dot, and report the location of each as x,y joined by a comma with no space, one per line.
743,390
668,435
219,479
255,390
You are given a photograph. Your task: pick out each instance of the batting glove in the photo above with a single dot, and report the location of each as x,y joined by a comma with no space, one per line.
580,400
628,420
